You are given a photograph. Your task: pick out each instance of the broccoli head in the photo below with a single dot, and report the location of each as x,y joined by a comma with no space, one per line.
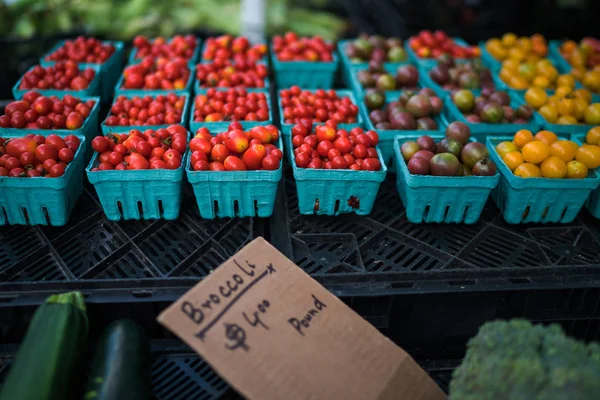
516,360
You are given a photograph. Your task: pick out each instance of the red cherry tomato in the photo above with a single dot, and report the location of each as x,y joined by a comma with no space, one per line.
171,153
115,158
174,163
359,151
137,161
17,173
143,148
270,162
371,164
56,141
66,155
57,170
15,147
220,152
302,160
201,165
233,163
179,144
27,159
12,163
158,164
105,166
157,152
119,148
216,166
100,144
198,156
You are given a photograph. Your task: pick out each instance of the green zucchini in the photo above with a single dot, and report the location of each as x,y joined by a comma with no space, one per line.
121,366
48,358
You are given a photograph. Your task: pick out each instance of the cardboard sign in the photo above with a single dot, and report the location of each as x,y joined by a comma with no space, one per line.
273,332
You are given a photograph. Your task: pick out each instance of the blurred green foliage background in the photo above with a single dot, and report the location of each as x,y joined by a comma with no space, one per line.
126,18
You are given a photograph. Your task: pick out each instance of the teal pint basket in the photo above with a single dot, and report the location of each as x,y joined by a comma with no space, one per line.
347,66
42,201
554,53
307,75
191,62
138,194
229,194
89,129
593,203
93,88
488,59
125,129
481,130
335,191
119,90
109,70
223,125
538,200
386,137
286,129
430,62
440,199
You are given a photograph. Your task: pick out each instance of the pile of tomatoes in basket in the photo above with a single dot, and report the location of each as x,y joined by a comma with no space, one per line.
236,150
319,106
146,111
231,105
36,155
329,148
35,111
152,149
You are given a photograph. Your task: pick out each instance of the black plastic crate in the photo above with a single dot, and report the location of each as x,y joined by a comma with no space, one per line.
180,374
385,254
116,261
377,255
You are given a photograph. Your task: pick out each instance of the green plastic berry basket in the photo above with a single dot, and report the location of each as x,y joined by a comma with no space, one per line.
93,88
306,74
538,200
229,194
119,89
481,130
89,129
192,61
109,70
138,194
335,192
430,62
593,203
286,129
106,129
222,126
42,201
440,199
347,66
386,137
